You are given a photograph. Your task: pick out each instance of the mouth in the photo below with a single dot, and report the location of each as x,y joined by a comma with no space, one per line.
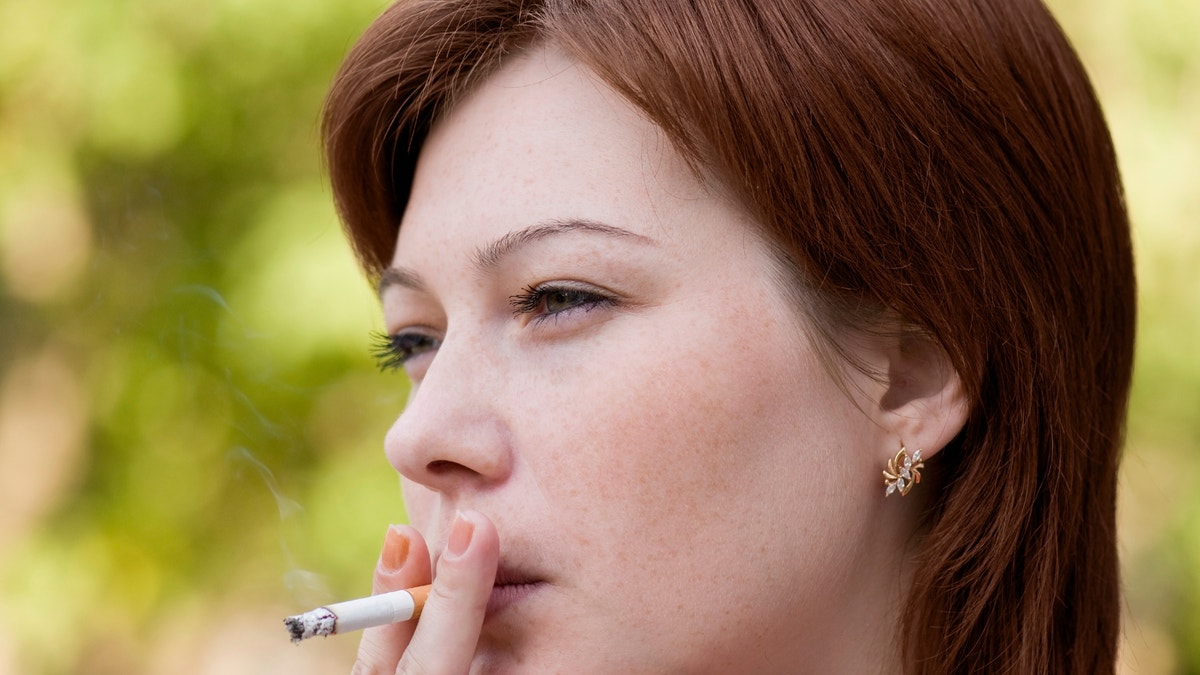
513,586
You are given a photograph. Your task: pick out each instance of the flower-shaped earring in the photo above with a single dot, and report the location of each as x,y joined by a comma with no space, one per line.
903,472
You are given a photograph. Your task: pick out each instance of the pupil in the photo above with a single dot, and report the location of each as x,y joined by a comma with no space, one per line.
558,301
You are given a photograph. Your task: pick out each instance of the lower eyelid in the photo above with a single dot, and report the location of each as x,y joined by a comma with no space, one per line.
598,302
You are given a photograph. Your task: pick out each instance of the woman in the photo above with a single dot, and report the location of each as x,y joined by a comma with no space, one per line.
675,281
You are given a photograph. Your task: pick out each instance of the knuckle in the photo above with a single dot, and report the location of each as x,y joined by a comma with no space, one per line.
411,664
461,594
363,667
371,659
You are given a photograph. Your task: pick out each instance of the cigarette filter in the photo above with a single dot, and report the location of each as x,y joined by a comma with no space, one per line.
352,615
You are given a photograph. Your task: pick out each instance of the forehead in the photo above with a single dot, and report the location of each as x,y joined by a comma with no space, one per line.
543,138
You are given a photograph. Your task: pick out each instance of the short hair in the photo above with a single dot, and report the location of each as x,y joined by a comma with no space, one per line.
941,161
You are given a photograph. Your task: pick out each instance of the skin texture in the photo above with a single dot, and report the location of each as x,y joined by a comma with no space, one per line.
689,488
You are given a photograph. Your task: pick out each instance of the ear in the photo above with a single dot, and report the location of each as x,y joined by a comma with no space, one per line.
922,403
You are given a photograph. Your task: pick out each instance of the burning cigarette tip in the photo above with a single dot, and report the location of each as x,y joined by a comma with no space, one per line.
320,621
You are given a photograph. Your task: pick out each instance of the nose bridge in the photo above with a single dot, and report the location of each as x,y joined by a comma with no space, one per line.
452,432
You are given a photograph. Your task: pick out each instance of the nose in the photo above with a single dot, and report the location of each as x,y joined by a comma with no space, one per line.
452,435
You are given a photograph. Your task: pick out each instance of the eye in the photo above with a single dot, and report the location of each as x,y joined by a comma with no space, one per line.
556,298
391,352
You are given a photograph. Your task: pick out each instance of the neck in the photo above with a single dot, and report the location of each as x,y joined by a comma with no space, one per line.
863,633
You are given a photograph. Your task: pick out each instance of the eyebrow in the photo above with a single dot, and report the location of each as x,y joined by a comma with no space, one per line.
487,257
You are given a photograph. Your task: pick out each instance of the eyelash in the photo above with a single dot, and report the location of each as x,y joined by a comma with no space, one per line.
532,300
391,352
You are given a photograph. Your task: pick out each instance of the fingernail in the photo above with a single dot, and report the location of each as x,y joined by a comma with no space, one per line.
395,550
460,535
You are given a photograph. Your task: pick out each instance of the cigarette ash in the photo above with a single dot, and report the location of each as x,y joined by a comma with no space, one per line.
320,621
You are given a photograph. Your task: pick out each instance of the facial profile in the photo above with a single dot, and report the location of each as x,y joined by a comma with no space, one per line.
603,363
689,295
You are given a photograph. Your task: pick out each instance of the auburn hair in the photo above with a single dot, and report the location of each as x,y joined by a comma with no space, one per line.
943,161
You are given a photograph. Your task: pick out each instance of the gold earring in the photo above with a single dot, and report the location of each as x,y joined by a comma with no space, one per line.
903,472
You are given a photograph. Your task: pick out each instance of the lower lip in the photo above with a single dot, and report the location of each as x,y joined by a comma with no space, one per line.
506,596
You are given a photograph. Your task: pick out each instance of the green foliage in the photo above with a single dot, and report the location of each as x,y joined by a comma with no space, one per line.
189,422
173,269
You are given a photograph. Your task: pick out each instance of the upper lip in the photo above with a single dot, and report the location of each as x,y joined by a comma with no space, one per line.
508,575
517,564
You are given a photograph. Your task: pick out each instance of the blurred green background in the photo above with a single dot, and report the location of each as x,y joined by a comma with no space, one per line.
190,426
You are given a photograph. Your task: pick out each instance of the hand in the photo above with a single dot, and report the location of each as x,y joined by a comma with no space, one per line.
443,640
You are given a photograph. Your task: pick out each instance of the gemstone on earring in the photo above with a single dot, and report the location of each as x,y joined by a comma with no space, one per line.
903,472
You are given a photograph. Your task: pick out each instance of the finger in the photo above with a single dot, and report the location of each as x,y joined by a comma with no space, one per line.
403,563
448,632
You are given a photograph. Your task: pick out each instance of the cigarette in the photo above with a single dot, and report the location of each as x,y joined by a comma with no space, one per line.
352,615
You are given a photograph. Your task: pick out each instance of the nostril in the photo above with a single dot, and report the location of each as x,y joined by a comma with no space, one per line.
441,467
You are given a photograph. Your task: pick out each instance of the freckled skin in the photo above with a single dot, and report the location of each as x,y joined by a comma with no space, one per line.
698,492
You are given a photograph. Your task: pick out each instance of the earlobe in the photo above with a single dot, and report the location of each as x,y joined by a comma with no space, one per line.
923,404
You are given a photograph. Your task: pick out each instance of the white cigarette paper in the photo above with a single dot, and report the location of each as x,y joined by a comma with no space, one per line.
352,615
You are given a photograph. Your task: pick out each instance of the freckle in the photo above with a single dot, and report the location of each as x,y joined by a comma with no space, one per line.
583,539
622,556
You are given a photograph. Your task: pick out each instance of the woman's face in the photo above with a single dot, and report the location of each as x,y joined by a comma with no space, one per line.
604,363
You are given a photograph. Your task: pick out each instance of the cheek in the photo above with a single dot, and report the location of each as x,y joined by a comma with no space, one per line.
688,414
683,476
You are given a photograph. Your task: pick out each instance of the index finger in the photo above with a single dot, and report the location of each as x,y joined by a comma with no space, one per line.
448,633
